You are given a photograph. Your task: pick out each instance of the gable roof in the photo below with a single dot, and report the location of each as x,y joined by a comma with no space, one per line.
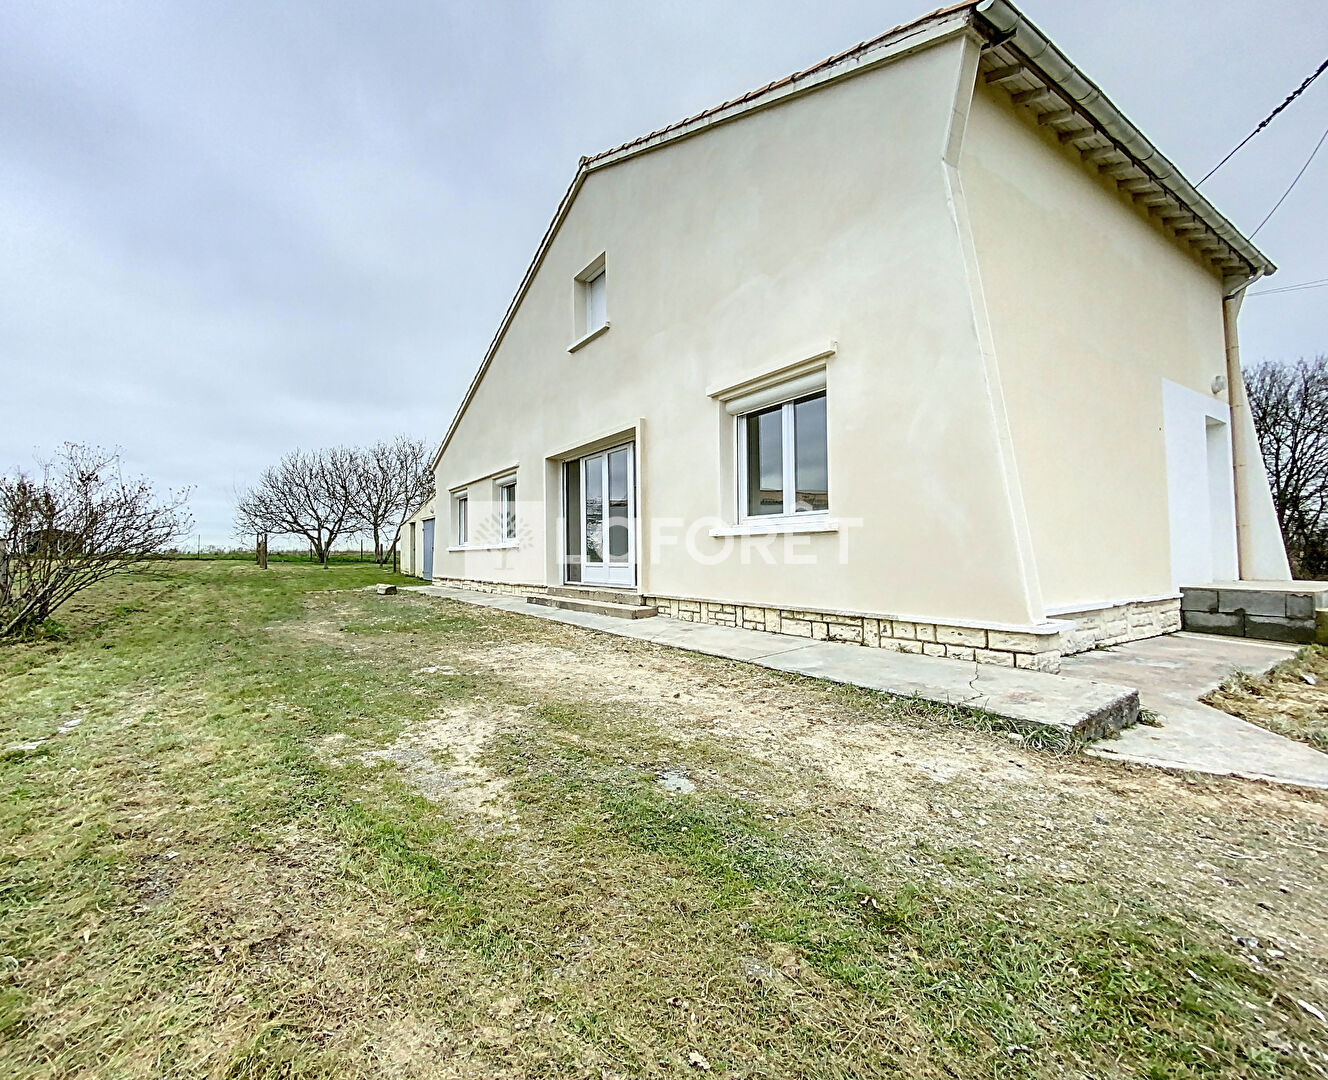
1017,57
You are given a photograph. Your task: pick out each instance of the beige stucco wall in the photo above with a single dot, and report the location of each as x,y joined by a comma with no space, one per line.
1003,324
826,218
1091,307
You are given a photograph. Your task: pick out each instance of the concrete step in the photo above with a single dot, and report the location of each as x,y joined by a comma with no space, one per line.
601,594
593,607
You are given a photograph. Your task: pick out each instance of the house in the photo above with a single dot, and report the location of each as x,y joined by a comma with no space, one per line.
417,541
924,347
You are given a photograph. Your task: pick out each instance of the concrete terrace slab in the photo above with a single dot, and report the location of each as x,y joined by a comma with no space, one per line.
1172,673
1084,707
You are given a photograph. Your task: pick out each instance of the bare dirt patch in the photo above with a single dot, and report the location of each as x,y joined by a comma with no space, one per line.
1251,856
441,758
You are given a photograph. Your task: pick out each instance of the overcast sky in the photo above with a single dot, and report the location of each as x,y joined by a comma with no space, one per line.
230,229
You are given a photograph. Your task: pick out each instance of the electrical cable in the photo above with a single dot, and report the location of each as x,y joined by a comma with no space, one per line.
1321,283
1269,118
1293,183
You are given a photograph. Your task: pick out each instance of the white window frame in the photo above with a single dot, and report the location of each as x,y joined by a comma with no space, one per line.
590,285
506,503
788,465
463,519
596,287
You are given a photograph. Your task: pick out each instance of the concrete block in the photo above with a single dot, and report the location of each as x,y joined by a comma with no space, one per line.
909,646
1044,661
820,631
959,652
930,648
1299,606
1199,600
387,590
925,631
871,632
1016,642
1270,628
846,632
905,630
994,656
1251,601
1202,622
962,635
796,627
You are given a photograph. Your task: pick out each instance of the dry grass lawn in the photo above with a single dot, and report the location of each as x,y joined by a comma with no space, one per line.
266,825
1291,700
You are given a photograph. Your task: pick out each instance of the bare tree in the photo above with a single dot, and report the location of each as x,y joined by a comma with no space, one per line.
308,494
79,522
1289,405
393,480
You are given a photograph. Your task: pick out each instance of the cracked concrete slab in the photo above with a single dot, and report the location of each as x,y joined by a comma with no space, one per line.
1172,673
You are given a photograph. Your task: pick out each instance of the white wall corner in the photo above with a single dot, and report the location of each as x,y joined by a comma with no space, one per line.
968,56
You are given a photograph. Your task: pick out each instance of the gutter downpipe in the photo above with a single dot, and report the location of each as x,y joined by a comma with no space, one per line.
1261,553
1241,422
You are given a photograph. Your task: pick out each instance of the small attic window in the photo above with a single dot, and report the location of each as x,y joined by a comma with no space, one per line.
592,311
596,313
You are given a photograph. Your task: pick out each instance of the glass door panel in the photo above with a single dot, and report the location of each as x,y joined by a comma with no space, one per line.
619,516
593,501
606,517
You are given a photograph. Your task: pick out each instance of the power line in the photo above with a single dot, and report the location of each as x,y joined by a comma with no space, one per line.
1269,118
1293,183
1300,286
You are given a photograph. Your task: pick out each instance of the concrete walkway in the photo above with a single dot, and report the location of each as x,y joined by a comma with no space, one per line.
1171,674
1096,694
1085,707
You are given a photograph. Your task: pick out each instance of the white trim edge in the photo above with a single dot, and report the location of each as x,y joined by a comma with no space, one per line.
775,527
1103,605
808,363
586,339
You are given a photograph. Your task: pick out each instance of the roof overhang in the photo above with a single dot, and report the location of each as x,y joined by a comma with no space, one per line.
1020,59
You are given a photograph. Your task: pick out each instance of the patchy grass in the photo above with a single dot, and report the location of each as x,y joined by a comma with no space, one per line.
262,825
1291,700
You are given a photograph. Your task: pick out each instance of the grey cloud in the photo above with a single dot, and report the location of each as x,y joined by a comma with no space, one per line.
231,229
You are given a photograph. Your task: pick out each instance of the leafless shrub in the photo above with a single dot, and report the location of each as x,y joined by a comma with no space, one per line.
308,493
393,480
1289,405
77,523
